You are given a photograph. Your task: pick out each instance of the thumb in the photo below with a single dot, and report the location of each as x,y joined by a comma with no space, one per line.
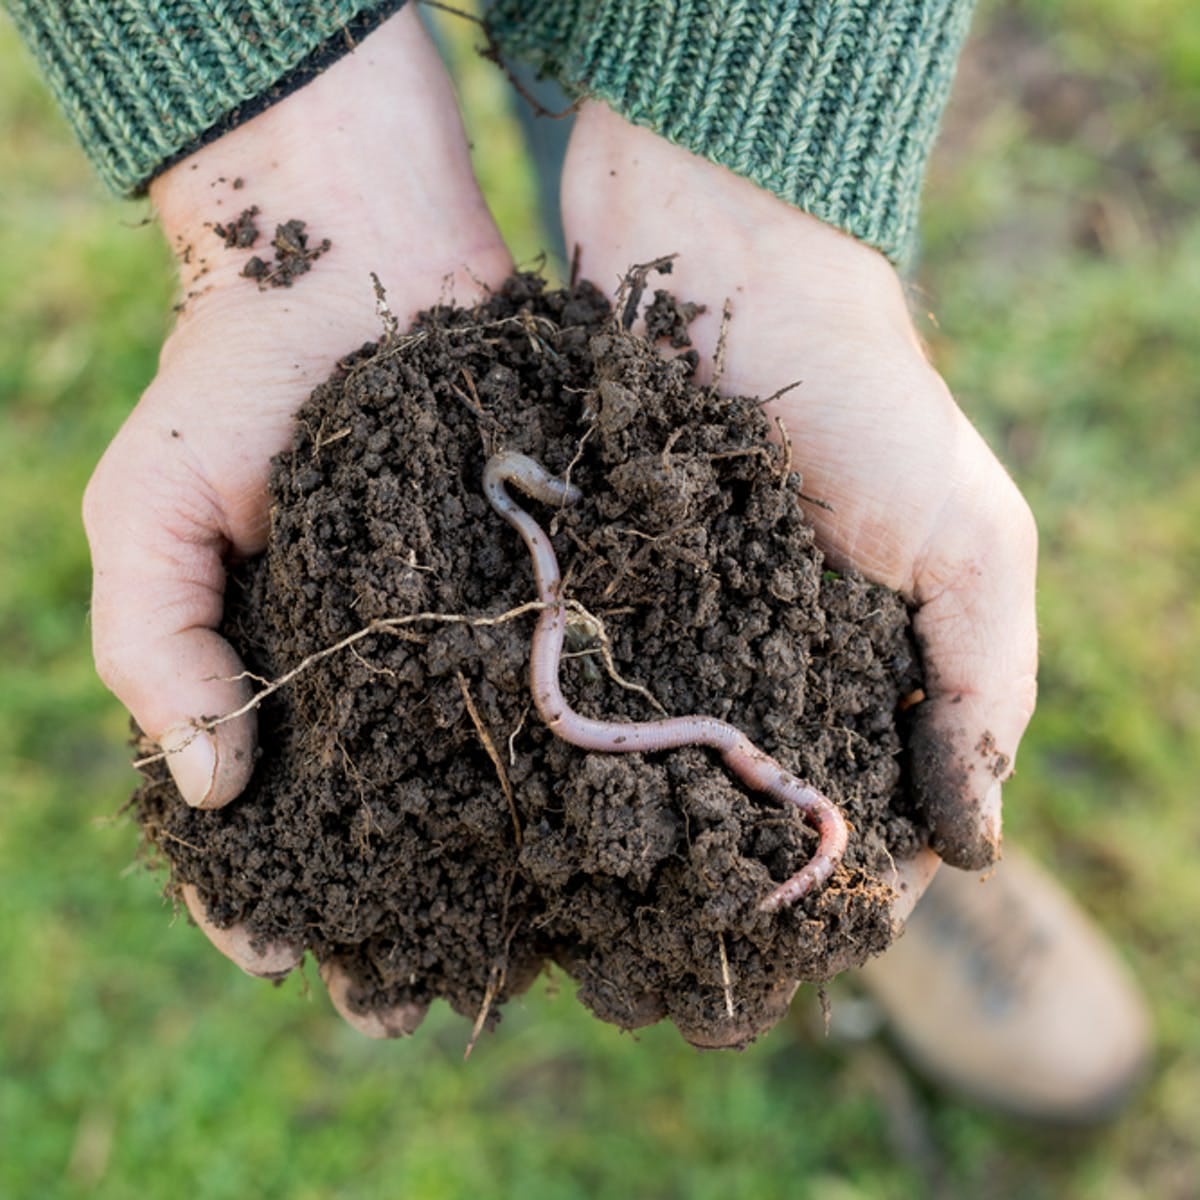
157,599
977,627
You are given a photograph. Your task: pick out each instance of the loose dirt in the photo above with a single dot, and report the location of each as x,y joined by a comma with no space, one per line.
294,256
383,833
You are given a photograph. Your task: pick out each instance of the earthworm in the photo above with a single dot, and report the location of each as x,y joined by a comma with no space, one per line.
757,770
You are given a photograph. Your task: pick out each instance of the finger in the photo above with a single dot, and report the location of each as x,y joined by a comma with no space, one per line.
977,628
909,880
157,598
402,1020
273,960
738,1030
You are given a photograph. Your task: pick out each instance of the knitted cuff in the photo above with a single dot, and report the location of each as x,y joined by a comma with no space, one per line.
830,104
146,82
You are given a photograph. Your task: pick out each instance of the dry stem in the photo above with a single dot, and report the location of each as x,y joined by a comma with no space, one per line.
490,747
726,980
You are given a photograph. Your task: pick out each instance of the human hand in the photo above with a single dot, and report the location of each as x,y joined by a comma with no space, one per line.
372,156
916,501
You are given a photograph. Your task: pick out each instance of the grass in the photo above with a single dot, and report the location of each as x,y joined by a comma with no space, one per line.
1062,269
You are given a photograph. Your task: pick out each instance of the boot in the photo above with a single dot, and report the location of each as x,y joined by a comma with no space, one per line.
1003,991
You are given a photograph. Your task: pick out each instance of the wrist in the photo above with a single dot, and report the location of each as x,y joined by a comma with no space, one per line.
370,155
630,196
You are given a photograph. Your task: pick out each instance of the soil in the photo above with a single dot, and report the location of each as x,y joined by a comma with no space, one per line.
380,832
240,233
293,254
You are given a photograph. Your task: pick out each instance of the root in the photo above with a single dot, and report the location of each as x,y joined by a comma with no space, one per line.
494,984
633,287
593,626
512,737
383,625
394,346
726,979
498,973
490,746
719,356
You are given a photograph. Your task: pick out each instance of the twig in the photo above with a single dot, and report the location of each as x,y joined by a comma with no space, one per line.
495,983
783,391
490,747
719,356
491,53
629,294
786,470
391,325
499,969
665,458
183,842
726,981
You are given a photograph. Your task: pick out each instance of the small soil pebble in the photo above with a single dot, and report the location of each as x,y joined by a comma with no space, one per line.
240,233
293,255
411,818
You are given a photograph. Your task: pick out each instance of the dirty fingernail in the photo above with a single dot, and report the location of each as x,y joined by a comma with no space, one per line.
400,1021
192,759
272,960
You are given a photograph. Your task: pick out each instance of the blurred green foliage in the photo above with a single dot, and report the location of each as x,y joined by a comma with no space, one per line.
1061,273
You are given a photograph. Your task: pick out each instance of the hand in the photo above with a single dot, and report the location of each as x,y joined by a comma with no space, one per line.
916,500
372,156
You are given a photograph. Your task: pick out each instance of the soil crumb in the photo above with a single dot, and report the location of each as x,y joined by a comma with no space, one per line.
240,233
293,256
381,830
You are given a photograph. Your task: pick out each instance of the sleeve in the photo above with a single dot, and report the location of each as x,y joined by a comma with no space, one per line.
146,82
830,104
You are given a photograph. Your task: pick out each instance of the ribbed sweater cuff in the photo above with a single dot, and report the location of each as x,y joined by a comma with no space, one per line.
144,82
830,104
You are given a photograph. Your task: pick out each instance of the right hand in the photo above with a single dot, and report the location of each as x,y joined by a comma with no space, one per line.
371,155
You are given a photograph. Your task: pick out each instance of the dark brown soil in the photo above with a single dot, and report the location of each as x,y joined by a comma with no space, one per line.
377,831
293,254
240,233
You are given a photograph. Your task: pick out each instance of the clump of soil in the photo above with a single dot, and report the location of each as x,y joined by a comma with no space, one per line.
378,830
242,232
293,254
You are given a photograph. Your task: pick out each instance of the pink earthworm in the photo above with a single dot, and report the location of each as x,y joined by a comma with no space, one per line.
758,771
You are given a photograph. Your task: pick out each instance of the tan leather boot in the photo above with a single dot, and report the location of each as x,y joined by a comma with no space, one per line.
1002,990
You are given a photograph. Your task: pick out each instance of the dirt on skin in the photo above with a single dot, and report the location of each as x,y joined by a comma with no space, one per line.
293,254
380,833
240,233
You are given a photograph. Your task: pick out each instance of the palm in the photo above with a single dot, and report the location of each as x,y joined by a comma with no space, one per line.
908,491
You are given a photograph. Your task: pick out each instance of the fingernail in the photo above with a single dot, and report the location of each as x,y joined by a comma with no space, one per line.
192,758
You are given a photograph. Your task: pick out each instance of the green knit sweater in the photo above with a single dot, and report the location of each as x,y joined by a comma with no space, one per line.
830,104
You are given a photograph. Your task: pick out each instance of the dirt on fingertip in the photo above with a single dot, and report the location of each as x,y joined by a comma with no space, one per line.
412,820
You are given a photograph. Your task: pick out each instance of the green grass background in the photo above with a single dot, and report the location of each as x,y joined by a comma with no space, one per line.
1060,290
